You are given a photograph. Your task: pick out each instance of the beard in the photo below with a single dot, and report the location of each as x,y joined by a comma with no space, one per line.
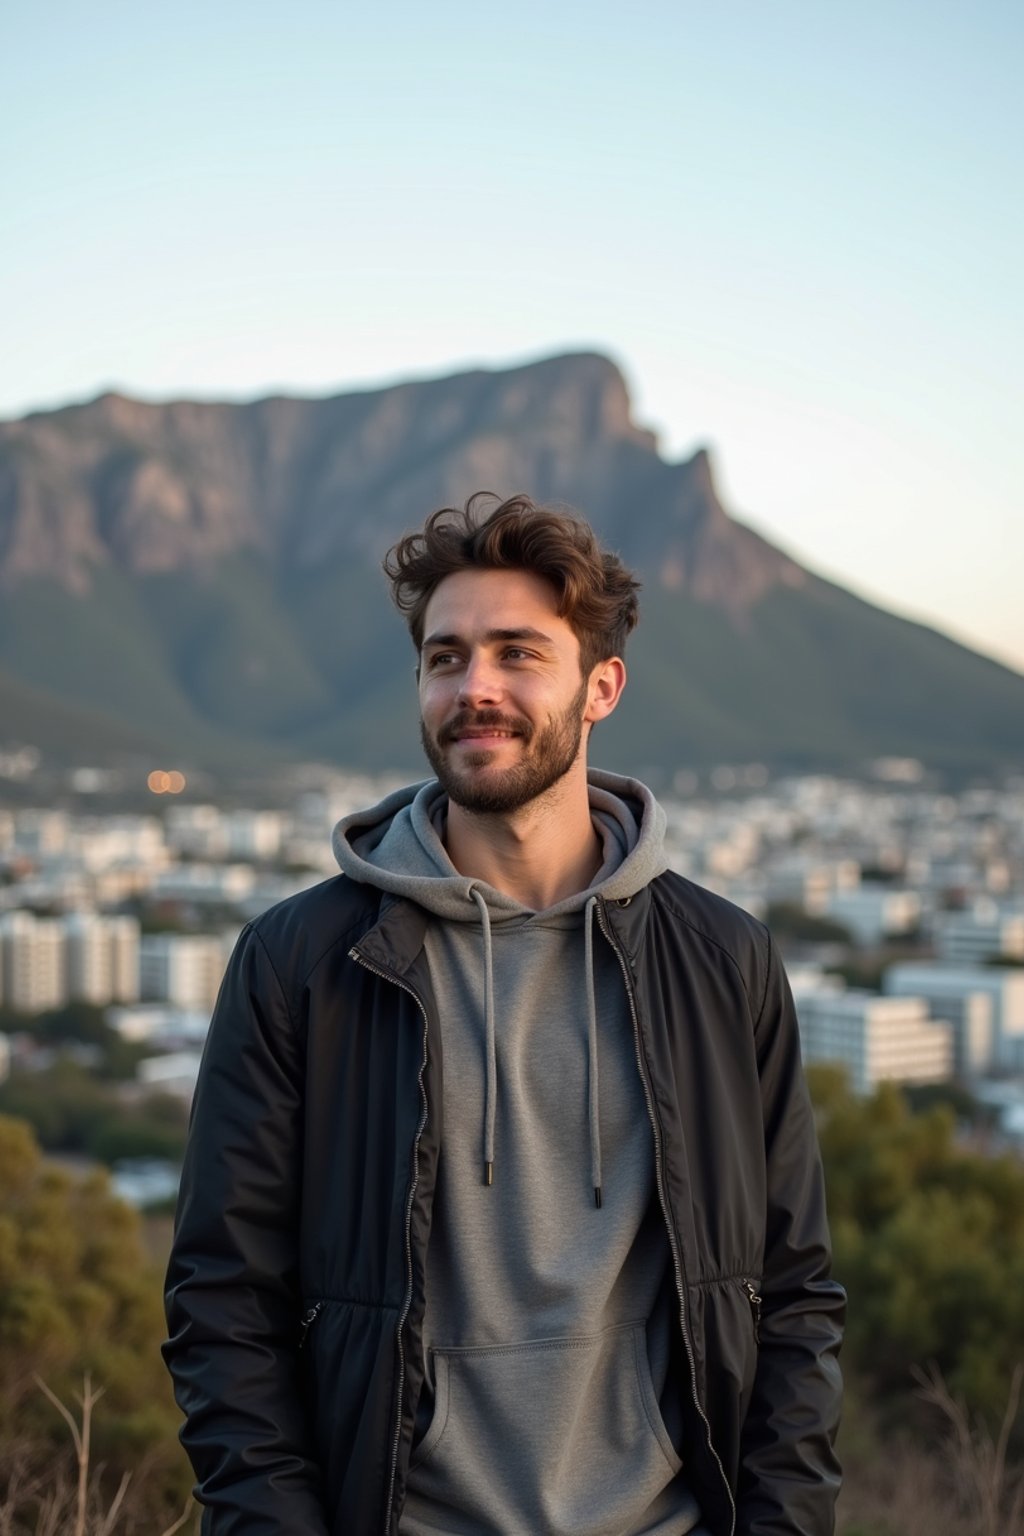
547,756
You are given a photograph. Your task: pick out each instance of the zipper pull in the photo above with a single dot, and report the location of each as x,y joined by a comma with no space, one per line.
307,1323
755,1307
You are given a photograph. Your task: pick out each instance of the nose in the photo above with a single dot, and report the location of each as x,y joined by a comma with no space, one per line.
481,685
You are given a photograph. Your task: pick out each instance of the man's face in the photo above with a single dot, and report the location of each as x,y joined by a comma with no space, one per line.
502,698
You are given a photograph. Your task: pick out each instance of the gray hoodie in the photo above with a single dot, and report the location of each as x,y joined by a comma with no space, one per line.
550,1305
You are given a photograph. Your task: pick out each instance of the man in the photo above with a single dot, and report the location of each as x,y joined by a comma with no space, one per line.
502,1209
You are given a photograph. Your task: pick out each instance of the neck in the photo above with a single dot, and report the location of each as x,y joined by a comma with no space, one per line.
538,855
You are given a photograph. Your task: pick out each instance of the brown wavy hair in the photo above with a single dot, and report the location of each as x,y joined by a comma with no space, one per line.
597,593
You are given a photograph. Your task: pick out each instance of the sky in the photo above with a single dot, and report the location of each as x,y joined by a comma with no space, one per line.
797,227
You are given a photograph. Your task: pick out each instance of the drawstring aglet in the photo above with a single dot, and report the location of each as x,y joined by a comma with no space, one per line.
597,1196
488,1174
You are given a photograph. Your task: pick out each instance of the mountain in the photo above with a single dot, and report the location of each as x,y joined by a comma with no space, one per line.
208,574
66,732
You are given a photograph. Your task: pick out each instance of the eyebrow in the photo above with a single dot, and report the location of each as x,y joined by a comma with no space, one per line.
492,637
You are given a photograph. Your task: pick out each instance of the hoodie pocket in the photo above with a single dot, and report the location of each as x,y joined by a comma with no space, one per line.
552,1435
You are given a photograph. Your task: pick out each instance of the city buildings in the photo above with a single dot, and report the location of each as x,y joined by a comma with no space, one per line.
185,970
32,963
928,884
102,958
876,1039
953,985
46,962
984,930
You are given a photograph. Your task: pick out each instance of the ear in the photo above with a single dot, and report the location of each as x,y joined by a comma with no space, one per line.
604,689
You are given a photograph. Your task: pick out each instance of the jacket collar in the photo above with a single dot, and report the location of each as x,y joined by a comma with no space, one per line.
396,939
626,919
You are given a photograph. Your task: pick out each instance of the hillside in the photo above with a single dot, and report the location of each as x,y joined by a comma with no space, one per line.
208,575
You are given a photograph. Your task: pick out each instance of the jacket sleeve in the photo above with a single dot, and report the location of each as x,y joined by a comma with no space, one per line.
789,1476
233,1308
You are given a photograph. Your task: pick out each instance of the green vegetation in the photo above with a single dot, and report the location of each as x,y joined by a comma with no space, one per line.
65,731
967,1110
790,922
73,1111
928,1238
80,1024
87,1103
254,661
78,1295
929,1241
813,675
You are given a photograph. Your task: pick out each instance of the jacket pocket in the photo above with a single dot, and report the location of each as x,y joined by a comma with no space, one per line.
309,1317
547,1435
756,1302
731,1313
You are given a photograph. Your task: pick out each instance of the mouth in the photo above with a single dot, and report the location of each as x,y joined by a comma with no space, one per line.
486,734
479,733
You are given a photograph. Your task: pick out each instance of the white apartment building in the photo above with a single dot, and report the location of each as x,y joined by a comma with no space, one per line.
970,1016
809,881
311,852
41,834
319,807
175,1073
107,842
211,883
102,958
161,1025
877,1039
32,962
1007,1099
872,912
121,882
253,835
1003,985
183,969
206,832
981,932
197,831
271,888
59,887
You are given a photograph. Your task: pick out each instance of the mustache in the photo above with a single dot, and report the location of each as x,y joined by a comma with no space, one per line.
478,719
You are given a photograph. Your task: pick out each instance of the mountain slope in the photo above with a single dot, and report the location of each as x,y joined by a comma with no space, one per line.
209,574
67,733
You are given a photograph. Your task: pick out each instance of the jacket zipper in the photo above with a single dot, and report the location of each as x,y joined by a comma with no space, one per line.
307,1323
755,1307
407,1303
660,1180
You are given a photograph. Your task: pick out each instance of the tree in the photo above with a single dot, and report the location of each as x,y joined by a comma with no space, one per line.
790,921
78,1297
71,1110
929,1241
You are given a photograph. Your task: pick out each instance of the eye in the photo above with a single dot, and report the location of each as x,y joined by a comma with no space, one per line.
441,659
516,653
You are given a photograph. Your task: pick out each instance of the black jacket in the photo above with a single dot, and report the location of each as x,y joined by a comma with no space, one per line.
296,1282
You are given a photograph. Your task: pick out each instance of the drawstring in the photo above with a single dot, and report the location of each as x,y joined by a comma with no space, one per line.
490,1048
491,1073
592,1084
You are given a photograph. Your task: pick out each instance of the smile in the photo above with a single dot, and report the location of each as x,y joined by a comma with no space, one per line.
485,733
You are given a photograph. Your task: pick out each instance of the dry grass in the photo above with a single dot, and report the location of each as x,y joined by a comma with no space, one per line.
73,1498
965,1483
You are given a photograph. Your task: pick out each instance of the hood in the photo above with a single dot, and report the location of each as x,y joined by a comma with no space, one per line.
397,846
